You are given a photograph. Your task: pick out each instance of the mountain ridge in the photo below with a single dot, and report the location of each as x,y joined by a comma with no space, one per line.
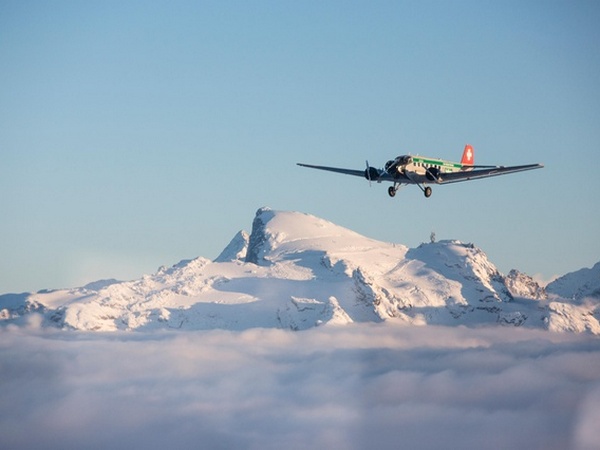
297,271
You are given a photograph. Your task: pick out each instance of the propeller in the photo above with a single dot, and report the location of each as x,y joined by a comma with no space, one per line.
371,173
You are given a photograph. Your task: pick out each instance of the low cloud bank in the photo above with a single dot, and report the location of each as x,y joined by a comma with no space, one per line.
360,386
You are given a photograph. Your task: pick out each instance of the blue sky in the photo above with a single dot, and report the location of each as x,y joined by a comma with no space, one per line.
136,134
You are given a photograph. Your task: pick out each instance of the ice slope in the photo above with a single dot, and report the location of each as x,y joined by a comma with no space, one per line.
574,300
577,285
297,271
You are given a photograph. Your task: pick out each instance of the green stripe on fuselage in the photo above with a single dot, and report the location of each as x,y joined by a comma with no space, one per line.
436,162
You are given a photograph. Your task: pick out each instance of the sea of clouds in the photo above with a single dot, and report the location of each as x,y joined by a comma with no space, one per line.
354,387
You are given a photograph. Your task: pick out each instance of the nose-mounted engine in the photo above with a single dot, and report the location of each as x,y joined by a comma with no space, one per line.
393,166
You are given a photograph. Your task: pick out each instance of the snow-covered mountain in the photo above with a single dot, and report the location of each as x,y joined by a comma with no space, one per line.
297,271
578,285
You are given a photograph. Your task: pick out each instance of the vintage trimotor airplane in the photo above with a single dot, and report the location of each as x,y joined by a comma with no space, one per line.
420,170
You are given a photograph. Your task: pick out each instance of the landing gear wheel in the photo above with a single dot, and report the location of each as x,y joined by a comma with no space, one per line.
391,191
427,192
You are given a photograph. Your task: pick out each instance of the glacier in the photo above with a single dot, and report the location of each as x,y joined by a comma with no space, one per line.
297,271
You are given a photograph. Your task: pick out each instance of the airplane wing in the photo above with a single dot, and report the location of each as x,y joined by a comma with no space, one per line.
382,175
358,173
455,177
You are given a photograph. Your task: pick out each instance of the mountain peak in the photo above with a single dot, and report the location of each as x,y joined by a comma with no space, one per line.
577,285
522,285
275,233
237,248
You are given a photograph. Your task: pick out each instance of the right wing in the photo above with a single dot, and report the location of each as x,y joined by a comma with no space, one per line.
466,175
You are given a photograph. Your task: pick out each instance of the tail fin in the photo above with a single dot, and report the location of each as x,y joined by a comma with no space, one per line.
468,157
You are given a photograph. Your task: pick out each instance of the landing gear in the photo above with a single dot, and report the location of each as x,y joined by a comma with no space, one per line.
393,189
426,190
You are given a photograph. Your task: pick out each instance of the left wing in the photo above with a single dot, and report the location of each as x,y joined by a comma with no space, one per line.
358,173
466,175
376,174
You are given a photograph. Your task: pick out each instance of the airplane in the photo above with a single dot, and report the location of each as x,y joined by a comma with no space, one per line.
420,170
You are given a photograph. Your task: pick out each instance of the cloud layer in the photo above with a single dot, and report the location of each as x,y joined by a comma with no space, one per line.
367,386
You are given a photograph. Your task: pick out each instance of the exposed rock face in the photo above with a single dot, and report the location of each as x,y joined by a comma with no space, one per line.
259,237
522,285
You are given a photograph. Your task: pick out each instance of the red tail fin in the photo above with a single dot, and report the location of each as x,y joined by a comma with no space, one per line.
468,157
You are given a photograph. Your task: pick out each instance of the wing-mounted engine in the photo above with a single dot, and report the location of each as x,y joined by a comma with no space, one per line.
371,173
433,174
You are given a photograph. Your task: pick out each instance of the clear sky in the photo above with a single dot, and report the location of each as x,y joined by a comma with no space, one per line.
137,134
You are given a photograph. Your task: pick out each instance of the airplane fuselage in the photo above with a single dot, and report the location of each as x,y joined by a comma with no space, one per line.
421,169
